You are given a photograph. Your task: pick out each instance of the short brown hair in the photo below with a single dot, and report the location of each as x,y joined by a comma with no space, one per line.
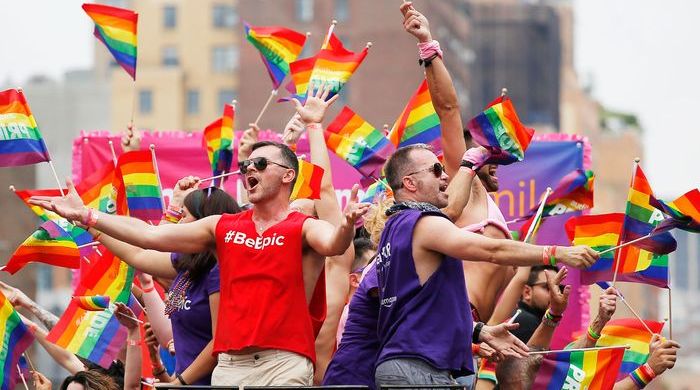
398,164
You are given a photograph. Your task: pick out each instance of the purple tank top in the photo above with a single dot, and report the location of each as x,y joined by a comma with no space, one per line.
353,362
429,322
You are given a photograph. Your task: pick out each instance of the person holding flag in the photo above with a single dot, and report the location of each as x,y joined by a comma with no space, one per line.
260,256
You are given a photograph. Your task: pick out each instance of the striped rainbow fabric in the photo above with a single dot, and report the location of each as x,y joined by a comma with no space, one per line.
137,187
359,143
684,212
418,122
378,188
278,48
49,244
20,140
600,232
217,140
629,331
16,338
593,369
498,129
574,192
333,65
116,28
79,235
96,189
92,302
308,183
96,335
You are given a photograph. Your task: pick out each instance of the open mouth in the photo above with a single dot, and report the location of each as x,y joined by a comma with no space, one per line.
252,182
443,187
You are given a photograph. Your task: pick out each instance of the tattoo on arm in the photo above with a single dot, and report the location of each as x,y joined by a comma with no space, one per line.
46,317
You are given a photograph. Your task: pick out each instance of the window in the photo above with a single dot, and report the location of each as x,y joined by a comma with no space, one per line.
305,10
170,56
225,96
193,101
224,58
342,11
169,16
145,101
224,16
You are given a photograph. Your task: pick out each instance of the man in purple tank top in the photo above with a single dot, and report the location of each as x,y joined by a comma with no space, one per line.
424,326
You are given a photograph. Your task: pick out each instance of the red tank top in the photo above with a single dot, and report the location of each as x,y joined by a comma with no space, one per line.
263,301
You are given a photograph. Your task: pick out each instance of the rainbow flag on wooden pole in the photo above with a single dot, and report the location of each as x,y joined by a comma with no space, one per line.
632,332
136,186
16,338
116,28
217,140
418,122
20,140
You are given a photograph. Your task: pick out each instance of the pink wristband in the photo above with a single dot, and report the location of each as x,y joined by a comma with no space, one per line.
314,126
427,50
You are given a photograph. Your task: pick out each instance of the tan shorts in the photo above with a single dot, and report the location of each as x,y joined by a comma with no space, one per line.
271,367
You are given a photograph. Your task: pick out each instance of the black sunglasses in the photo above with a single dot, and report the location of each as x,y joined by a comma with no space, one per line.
260,163
436,168
544,284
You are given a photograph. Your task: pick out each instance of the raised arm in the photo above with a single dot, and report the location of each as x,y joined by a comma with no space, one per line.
558,301
439,235
328,240
149,261
662,357
311,114
20,299
458,192
441,89
61,356
132,367
510,297
606,308
193,237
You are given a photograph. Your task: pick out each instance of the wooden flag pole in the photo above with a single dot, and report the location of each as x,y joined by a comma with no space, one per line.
219,176
114,154
133,105
24,382
578,350
155,168
55,176
504,92
617,256
273,93
26,355
328,34
128,316
624,301
540,209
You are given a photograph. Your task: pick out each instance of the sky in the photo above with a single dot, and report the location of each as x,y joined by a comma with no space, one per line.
641,56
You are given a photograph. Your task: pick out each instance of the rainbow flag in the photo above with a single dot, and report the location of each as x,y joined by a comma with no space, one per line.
629,331
333,65
79,235
96,189
278,48
96,335
592,369
641,218
137,187
574,192
498,129
376,189
600,232
684,212
49,244
360,144
308,184
217,140
92,302
487,371
116,28
20,140
418,122
16,338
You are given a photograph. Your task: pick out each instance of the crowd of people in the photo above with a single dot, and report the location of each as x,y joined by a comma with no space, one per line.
276,293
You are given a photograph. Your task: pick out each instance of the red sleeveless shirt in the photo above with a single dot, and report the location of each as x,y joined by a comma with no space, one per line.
263,301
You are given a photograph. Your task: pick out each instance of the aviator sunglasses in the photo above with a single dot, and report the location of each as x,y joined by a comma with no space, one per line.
437,169
260,163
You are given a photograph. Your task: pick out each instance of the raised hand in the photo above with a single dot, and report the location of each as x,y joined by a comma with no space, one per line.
662,354
70,206
40,381
579,256
415,23
316,105
354,210
607,304
131,140
16,296
183,187
558,299
293,130
125,316
502,341
245,144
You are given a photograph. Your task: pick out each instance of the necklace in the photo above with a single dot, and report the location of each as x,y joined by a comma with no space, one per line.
177,294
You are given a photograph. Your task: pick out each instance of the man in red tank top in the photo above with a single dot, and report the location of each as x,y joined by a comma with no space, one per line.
270,259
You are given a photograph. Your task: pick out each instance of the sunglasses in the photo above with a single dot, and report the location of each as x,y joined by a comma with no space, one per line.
544,284
437,169
260,163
